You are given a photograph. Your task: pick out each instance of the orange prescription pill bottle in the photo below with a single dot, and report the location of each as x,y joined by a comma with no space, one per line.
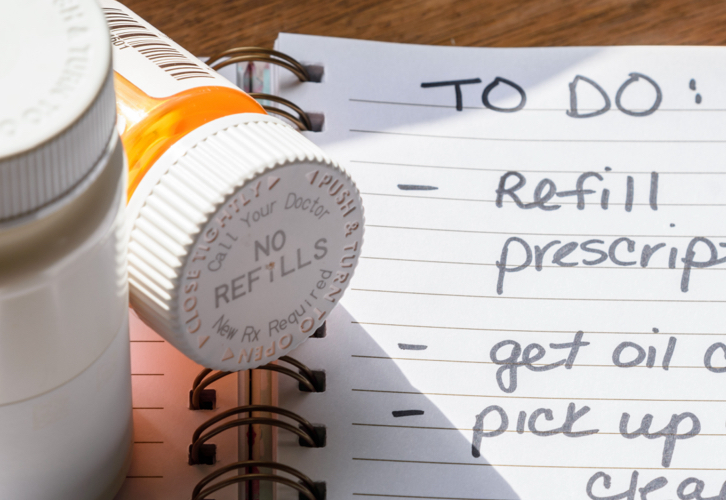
243,234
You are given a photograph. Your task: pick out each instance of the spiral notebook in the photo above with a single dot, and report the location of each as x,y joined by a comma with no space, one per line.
537,310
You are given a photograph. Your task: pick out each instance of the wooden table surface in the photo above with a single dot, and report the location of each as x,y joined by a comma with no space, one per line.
208,26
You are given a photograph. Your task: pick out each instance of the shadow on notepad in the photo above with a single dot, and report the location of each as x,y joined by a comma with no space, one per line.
399,424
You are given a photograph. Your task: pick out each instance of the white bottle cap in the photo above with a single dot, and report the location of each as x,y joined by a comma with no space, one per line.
57,106
244,236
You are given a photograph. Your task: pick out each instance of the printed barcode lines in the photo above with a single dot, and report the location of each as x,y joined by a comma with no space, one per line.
127,30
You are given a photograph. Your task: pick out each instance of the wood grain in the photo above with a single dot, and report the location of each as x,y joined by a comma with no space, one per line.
208,26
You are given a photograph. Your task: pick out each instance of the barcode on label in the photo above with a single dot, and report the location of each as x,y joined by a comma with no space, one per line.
127,32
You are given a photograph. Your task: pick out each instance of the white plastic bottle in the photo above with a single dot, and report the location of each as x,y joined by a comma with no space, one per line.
65,390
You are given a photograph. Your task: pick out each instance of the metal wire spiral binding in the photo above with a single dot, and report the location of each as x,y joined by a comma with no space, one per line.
305,431
302,121
305,377
249,54
305,485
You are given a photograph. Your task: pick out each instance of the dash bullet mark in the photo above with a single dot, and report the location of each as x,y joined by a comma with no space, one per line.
407,413
412,347
416,187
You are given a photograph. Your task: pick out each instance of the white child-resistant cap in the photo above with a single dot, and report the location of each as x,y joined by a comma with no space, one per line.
57,106
243,237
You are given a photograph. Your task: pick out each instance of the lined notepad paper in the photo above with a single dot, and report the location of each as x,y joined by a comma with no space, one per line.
538,311
161,378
